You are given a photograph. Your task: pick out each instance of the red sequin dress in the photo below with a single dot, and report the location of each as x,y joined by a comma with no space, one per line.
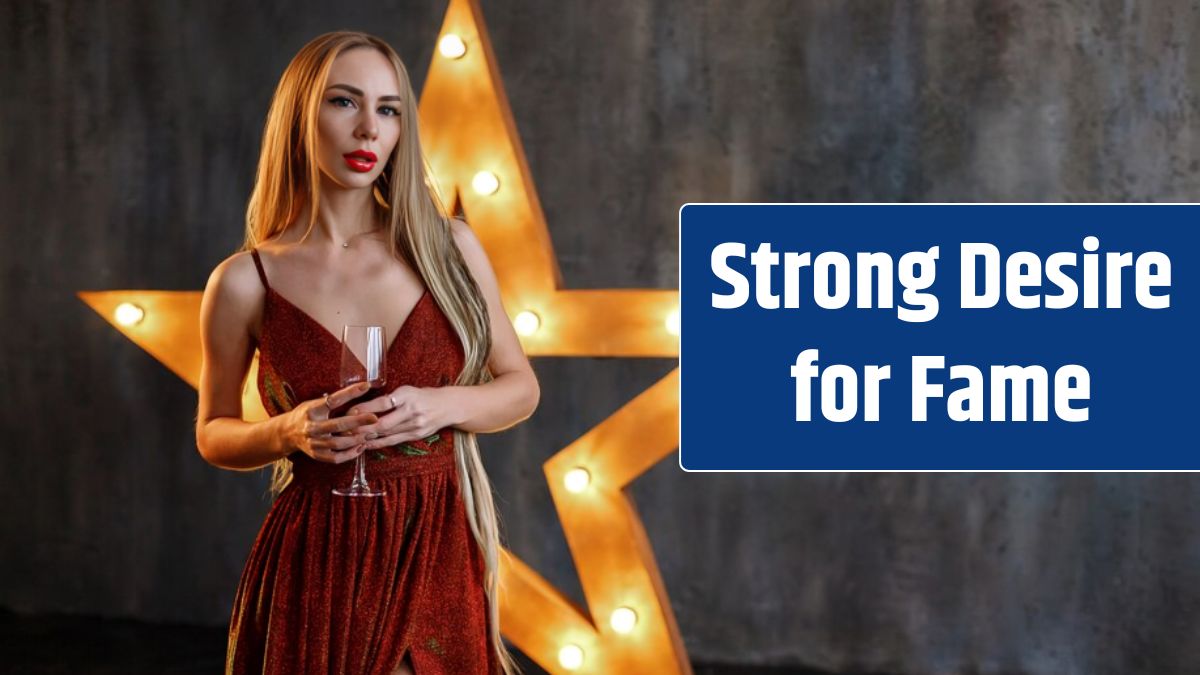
349,586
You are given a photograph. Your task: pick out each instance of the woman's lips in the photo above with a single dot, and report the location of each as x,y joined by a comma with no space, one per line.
360,165
360,160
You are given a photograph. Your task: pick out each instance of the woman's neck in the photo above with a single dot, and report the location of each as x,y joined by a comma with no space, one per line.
343,215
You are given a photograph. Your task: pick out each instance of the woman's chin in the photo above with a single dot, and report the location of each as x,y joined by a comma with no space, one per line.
348,179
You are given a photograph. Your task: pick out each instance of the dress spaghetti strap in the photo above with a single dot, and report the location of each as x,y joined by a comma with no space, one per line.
258,263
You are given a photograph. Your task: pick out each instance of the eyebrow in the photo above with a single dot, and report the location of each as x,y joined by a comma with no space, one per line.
358,92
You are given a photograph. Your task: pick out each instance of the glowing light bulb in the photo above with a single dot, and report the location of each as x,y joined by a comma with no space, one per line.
570,656
128,314
527,322
485,183
673,322
451,46
576,480
623,619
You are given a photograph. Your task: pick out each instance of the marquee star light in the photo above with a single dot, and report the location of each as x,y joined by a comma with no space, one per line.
471,140
169,329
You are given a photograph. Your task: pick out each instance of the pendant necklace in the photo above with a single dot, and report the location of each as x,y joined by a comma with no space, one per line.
346,244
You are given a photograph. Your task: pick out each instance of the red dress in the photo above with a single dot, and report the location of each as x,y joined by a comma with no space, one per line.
349,586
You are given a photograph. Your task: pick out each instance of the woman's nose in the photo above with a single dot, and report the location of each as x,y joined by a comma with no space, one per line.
368,126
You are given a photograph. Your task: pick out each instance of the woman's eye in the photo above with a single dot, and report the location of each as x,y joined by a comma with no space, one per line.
338,100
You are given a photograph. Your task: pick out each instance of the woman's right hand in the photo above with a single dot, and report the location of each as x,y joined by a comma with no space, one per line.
309,429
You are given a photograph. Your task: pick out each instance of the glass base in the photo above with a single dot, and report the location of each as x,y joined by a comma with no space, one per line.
358,491
358,486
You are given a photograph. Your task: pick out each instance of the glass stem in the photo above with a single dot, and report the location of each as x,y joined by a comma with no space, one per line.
360,471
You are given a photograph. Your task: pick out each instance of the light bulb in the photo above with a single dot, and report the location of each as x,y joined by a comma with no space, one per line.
570,656
576,480
673,322
128,314
451,46
527,322
485,183
623,619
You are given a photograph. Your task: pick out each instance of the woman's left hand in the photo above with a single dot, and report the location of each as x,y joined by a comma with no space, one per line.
407,414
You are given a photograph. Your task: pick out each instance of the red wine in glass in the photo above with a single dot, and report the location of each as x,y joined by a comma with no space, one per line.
363,352
370,394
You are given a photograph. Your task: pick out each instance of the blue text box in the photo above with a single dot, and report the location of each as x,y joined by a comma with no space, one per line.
739,397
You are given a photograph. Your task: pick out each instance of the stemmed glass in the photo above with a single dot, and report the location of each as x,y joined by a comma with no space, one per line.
363,350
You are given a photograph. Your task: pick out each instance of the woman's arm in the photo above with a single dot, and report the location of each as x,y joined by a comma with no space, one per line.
227,311
232,299
513,394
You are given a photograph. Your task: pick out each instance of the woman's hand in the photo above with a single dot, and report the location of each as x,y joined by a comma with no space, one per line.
309,429
407,414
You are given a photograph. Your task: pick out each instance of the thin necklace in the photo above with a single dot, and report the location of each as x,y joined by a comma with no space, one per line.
346,244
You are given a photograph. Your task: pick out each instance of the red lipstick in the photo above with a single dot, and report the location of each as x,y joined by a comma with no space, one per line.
360,160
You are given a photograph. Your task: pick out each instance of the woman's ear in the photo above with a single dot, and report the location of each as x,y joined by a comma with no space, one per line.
380,189
379,197
385,176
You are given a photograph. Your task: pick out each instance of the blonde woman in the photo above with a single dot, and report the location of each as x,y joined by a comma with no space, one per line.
343,227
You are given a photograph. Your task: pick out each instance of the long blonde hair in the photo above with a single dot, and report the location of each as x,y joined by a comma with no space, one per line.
419,233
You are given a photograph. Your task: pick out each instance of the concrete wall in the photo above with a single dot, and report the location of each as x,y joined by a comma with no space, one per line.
130,131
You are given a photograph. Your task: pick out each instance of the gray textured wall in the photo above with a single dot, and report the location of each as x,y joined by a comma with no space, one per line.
130,130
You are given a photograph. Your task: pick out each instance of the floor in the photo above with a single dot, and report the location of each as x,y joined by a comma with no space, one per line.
54,645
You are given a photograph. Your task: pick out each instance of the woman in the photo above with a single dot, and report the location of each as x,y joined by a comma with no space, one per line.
344,228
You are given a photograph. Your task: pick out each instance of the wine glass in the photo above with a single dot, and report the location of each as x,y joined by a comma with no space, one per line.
363,349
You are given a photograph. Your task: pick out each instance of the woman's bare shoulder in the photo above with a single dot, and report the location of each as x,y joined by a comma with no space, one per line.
474,255
234,284
464,237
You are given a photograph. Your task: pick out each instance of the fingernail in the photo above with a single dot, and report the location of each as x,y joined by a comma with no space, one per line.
352,411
